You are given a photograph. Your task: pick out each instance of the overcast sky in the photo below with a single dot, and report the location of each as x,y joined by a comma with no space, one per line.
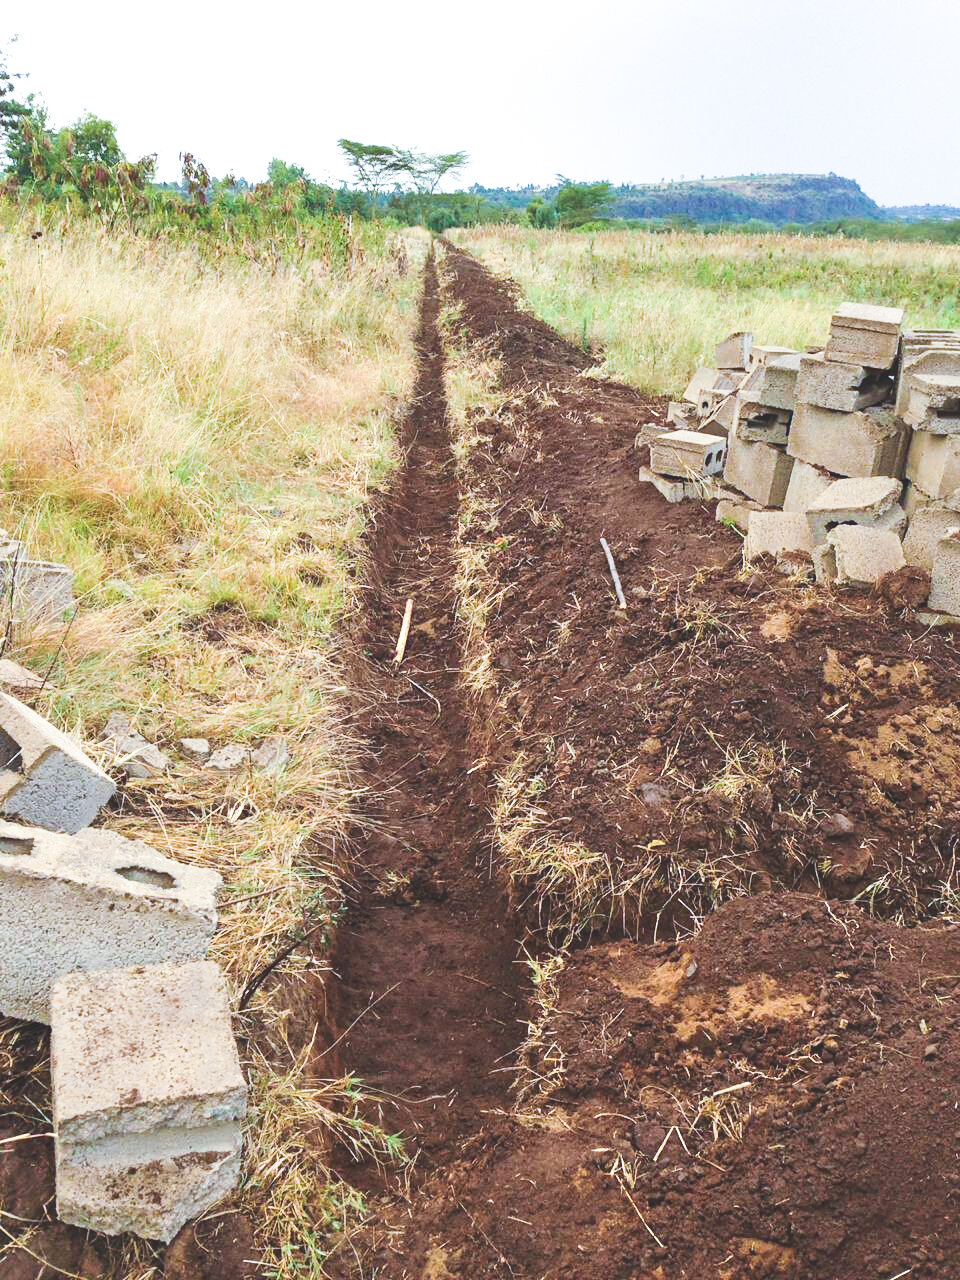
628,91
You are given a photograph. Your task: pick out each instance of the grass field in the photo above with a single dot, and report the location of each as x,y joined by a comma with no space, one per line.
195,434
653,306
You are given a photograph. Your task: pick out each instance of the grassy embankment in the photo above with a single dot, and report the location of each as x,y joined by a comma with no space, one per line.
194,431
654,306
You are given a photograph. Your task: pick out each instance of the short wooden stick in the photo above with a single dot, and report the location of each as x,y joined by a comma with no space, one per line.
613,573
404,633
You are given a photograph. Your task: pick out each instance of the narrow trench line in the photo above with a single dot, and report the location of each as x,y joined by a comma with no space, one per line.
428,948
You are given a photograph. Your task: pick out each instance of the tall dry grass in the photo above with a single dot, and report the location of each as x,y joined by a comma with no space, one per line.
196,439
653,306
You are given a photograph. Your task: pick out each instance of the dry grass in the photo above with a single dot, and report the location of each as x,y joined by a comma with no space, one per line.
197,442
653,306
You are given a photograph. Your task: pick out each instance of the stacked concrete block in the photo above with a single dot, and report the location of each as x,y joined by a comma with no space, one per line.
857,554
928,526
761,471
785,535
681,414
733,353
865,335
685,453
148,1097
945,575
92,901
842,387
45,778
870,501
869,442
758,422
706,388
762,355
933,463
933,403
807,482
773,383
925,351
723,419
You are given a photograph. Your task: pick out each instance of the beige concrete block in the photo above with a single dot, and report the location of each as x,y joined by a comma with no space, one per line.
867,443
865,335
761,354
736,509
864,555
925,352
685,453
933,403
864,500
761,471
866,315
758,422
694,488
734,351
724,417
945,575
148,1097
681,414
36,592
927,527
914,499
784,535
45,779
844,388
92,901
806,485
706,387
773,383
933,463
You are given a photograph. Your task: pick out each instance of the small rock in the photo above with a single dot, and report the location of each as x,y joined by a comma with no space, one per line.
652,747
831,1045
13,676
691,969
653,795
836,825
230,758
930,1051
934,724
132,752
198,748
271,756
118,725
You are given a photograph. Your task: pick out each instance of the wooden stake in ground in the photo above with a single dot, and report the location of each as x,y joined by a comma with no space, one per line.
404,632
613,573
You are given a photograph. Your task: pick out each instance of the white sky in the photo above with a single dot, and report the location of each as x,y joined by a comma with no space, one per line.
530,88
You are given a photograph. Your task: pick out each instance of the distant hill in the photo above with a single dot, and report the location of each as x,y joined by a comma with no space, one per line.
922,212
774,197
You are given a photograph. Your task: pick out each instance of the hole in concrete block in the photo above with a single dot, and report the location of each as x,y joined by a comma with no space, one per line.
10,757
21,845
146,875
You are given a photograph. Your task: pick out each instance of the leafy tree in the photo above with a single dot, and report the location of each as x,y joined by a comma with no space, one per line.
425,172
540,213
10,109
372,163
580,202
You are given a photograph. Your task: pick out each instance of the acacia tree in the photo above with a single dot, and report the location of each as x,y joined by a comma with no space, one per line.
579,202
425,172
372,163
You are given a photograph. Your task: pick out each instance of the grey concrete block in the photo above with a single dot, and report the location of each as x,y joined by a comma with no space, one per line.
862,554
36,592
844,388
45,779
92,901
863,501
865,335
866,315
871,442
806,485
695,488
758,422
723,419
925,351
736,509
706,387
684,453
682,414
761,471
945,575
773,383
148,1097
762,354
734,351
933,463
927,527
785,535
933,403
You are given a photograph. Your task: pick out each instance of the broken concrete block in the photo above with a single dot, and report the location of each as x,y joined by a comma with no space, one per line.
859,555
36,591
865,335
774,382
148,1097
723,419
761,355
860,501
871,442
757,422
914,499
925,351
807,482
45,779
761,471
734,351
132,752
92,901
933,463
785,535
706,387
650,431
842,387
737,510
933,403
14,676
676,490
681,414
945,574
684,453
928,526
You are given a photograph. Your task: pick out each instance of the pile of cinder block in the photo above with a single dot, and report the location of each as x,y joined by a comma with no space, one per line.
844,458
105,939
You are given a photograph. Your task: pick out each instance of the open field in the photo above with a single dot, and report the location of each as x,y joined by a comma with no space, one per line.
653,306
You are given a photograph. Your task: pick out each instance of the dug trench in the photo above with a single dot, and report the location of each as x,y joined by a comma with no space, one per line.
727,816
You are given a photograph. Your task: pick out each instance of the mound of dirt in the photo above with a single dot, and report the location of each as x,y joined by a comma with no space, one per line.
775,1097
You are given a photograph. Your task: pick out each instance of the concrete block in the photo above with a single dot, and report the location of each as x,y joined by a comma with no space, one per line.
758,422
734,351
148,1097
696,488
736,509
927,527
871,442
36,591
806,485
761,471
864,335
945,575
92,901
842,387
865,315
706,387
723,419
862,501
682,414
650,431
760,355
914,498
784,535
45,778
684,453
933,463
928,354
773,383
933,403
860,554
